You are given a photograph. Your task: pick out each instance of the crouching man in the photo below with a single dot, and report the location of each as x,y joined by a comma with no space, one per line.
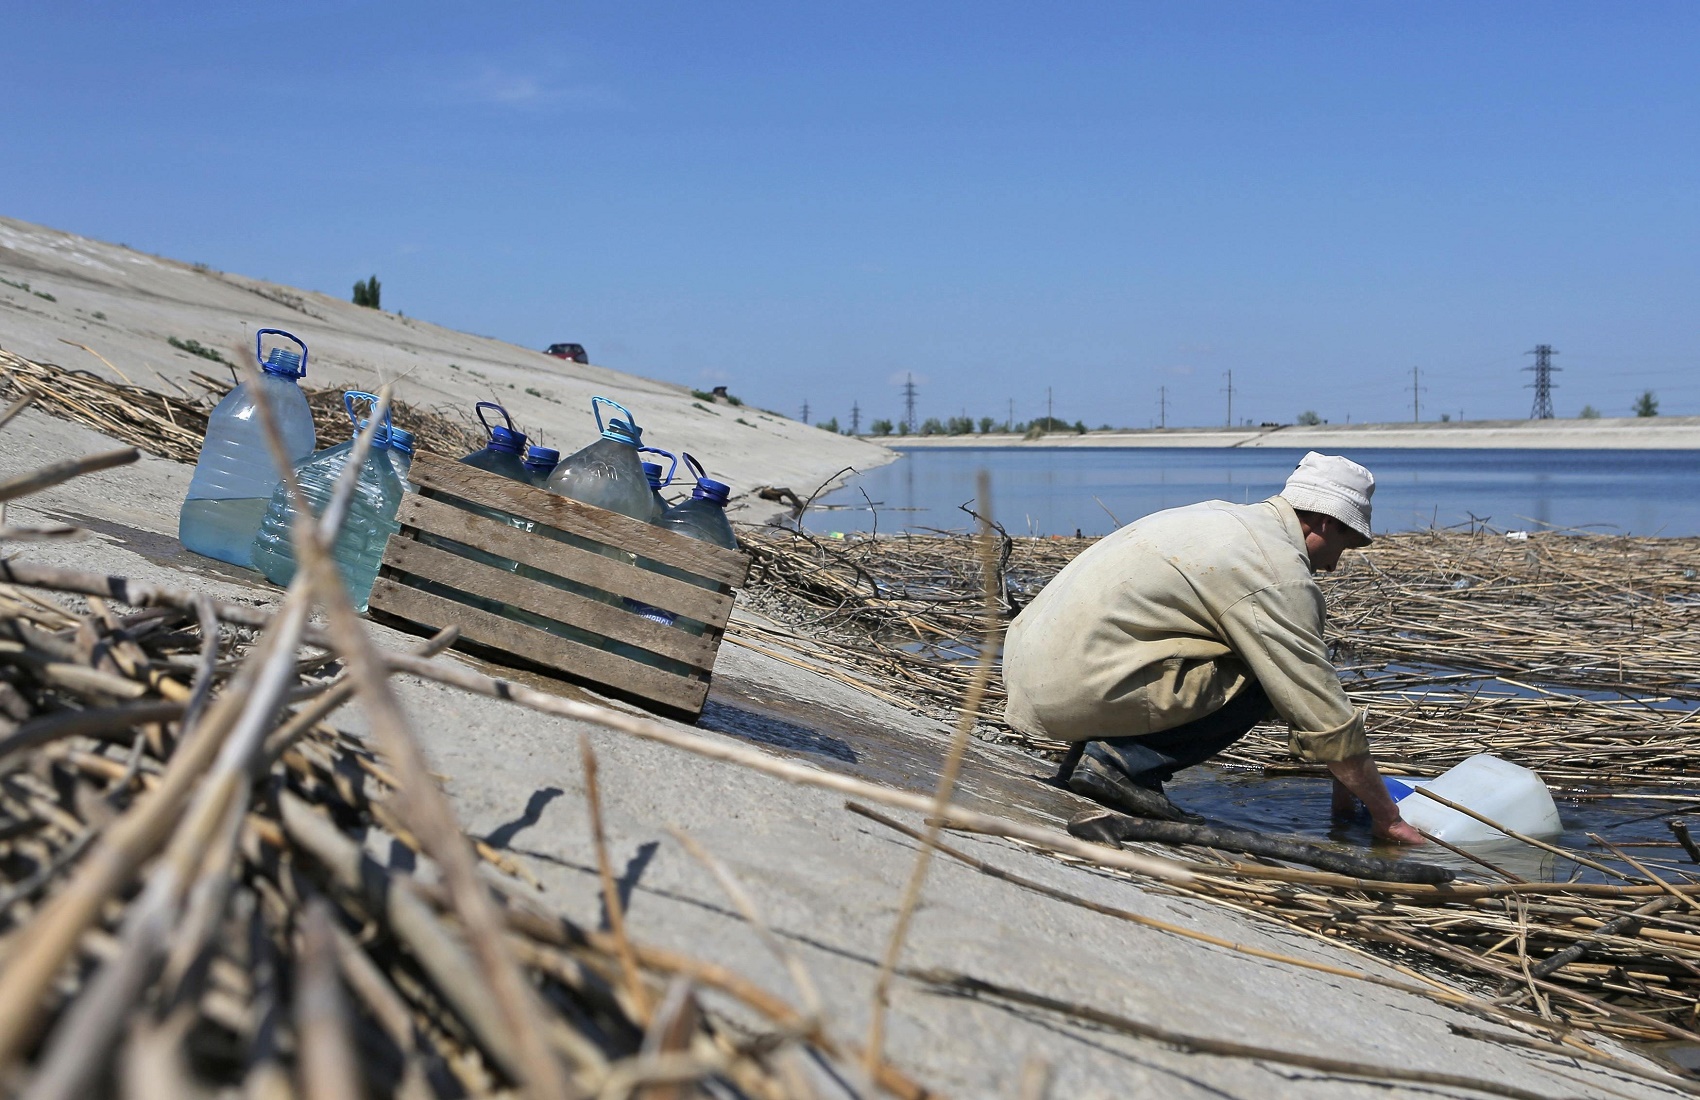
1164,643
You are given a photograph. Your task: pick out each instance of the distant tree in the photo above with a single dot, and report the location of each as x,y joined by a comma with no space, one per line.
1647,404
1105,428
1080,427
960,425
1445,418
932,426
1589,413
366,293
880,427
987,424
828,425
1308,418
1051,424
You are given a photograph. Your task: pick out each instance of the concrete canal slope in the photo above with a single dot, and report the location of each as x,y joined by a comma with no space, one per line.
1630,433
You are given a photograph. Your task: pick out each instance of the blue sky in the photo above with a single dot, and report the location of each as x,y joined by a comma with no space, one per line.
806,201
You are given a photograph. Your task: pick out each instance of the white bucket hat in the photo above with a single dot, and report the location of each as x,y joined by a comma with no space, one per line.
1334,486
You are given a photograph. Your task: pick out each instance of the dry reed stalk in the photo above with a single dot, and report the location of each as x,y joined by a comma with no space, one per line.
881,998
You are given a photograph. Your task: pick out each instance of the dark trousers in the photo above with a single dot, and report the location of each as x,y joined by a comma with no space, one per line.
1152,759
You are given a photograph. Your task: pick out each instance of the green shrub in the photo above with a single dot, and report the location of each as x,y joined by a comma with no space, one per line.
366,293
880,427
98,315
702,395
829,425
1308,418
44,294
932,426
195,347
1589,413
1647,404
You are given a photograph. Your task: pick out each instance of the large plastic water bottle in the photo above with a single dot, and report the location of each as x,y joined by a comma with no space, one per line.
235,474
401,455
608,473
703,517
504,445
1498,789
657,479
371,515
540,462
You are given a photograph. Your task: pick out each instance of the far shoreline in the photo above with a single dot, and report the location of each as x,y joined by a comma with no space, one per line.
1664,433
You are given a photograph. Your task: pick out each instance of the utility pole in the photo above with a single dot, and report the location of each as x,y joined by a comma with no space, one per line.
1230,391
1048,416
1162,406
855,418
909,405
1009,425
805,410
1543,383
1416,401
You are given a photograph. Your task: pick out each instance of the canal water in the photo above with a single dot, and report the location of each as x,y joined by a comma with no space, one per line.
1058,491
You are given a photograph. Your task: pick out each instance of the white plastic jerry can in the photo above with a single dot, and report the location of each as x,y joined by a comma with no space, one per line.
1498,789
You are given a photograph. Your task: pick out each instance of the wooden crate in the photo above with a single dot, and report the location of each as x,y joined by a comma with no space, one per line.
426,585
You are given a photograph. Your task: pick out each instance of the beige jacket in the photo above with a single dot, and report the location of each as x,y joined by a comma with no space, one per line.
1167,619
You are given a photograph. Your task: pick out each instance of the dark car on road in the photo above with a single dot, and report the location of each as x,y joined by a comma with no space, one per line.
575,352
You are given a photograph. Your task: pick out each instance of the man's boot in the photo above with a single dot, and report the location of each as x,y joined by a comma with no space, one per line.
1097,777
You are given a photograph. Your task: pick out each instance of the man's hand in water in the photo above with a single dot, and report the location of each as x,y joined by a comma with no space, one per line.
1358,778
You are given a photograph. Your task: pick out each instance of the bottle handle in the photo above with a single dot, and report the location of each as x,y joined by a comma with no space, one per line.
696,469
596,404
371,399
479,409
668,480
260,336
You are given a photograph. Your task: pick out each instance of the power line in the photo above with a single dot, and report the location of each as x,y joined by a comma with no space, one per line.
1416,396
1162,406
855,418
1230,392
1543,384
805,410
909,405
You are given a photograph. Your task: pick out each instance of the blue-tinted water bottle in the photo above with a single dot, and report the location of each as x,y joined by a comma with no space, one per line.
504,445
401,455
540,462
702,517
370,522
235,474
656,478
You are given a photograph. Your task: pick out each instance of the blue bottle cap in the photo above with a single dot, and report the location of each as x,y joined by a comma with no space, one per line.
542,456
402,440
282,361
652,471
506,439
709,489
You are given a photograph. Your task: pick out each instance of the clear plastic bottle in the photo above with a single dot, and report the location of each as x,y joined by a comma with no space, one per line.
500,455
235,474
540,463
371,515
608,473
401,455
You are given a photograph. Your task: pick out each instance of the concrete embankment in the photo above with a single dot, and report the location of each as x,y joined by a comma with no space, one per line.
1660,433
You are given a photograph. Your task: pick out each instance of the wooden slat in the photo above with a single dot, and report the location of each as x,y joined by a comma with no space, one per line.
572,562
433,472
598,668
498,585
